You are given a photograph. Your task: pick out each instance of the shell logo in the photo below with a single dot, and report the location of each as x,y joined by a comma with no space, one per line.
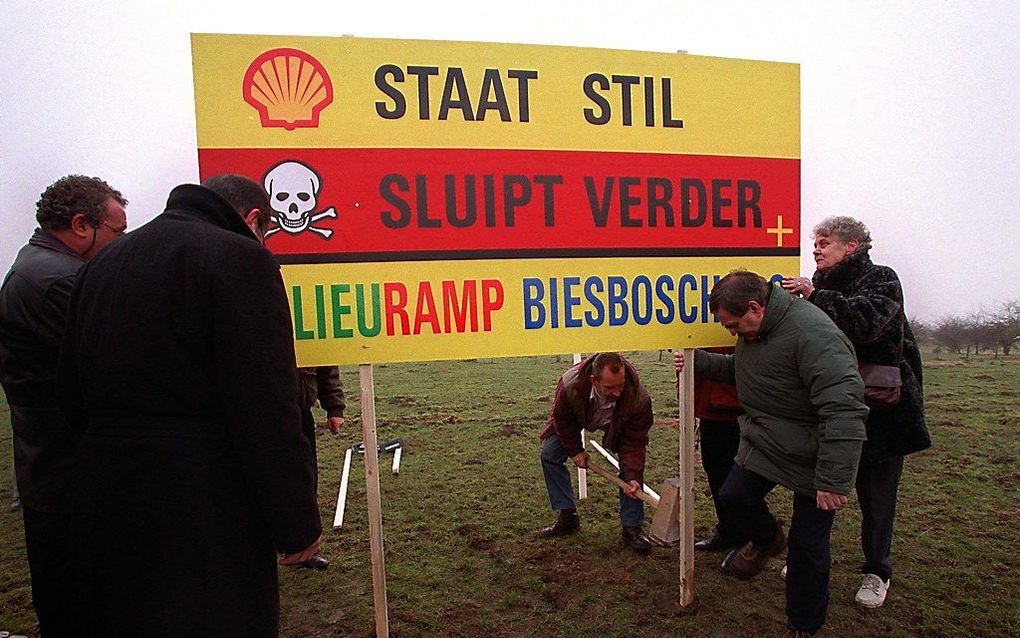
288,87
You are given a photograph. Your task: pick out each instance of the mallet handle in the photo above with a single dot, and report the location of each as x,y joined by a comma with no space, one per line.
614,479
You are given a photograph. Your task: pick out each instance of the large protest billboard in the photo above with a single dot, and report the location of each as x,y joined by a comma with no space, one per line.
447,200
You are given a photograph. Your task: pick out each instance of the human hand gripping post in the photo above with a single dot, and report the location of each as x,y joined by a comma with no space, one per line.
678,363
632,490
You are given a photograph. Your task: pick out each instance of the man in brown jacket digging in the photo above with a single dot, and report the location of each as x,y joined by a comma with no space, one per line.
602,393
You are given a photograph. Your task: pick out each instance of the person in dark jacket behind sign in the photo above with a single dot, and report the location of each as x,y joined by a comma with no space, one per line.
178,373
717,407
322,384
602,393
866,301
77,216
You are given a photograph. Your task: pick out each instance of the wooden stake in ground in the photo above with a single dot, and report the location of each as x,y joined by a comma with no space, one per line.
582,474
375,532
685,401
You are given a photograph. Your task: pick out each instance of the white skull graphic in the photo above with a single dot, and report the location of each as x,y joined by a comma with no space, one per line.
293,192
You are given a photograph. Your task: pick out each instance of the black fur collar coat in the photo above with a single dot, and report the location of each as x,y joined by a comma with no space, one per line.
866,302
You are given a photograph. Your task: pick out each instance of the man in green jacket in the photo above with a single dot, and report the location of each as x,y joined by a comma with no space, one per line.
803,427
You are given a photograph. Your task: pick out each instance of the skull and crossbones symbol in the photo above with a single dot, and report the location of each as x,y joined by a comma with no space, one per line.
293,192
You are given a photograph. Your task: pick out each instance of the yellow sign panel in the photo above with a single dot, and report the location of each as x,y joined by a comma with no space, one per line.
447,200
411,311
407,93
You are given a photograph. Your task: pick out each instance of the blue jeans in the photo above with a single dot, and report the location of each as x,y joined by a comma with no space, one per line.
561,493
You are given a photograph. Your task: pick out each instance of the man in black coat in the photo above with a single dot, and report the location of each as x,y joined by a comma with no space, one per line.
178,373
77,216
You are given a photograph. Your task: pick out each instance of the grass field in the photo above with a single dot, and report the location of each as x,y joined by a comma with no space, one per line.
462,558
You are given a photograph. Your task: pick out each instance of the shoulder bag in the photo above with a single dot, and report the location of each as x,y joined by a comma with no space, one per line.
882,383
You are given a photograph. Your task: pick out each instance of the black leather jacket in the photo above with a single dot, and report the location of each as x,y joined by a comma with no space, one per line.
33,312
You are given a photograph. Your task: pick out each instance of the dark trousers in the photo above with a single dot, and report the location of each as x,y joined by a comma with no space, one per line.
48,540
308,429
808,558
877,485
719,442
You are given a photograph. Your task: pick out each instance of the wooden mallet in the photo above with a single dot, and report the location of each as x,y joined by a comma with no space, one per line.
665,529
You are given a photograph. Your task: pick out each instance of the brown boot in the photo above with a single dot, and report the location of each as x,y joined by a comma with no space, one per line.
567,523
745,563
636,539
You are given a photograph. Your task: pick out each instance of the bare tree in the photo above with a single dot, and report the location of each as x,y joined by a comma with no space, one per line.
923,332
981,333
997,330
950,334
1005,326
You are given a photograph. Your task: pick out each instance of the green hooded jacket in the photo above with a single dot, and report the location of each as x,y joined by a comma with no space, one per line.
802,394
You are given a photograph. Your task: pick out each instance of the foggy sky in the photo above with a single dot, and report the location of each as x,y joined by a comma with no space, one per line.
908,109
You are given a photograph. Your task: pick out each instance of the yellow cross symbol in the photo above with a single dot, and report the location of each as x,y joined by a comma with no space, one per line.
779,231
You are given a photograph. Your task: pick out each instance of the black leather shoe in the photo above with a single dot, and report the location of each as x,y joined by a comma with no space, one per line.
634,537
567,523
315,562
714,543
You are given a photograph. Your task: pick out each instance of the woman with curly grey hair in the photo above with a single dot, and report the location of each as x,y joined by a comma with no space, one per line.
866,301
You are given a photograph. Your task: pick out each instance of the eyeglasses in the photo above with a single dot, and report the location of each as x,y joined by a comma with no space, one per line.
112,229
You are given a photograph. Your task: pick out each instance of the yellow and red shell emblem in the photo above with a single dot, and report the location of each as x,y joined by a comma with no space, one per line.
288,87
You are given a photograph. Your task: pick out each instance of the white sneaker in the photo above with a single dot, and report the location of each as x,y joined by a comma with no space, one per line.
872,592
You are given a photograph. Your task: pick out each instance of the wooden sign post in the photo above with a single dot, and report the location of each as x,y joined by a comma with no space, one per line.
375,531
685,401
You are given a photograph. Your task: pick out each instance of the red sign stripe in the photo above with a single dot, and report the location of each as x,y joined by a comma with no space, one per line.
379,202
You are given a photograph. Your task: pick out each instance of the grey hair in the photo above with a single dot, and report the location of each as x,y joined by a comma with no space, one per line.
845,229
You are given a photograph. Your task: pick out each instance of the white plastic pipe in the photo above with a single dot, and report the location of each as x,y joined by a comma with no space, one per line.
341,498
396,460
